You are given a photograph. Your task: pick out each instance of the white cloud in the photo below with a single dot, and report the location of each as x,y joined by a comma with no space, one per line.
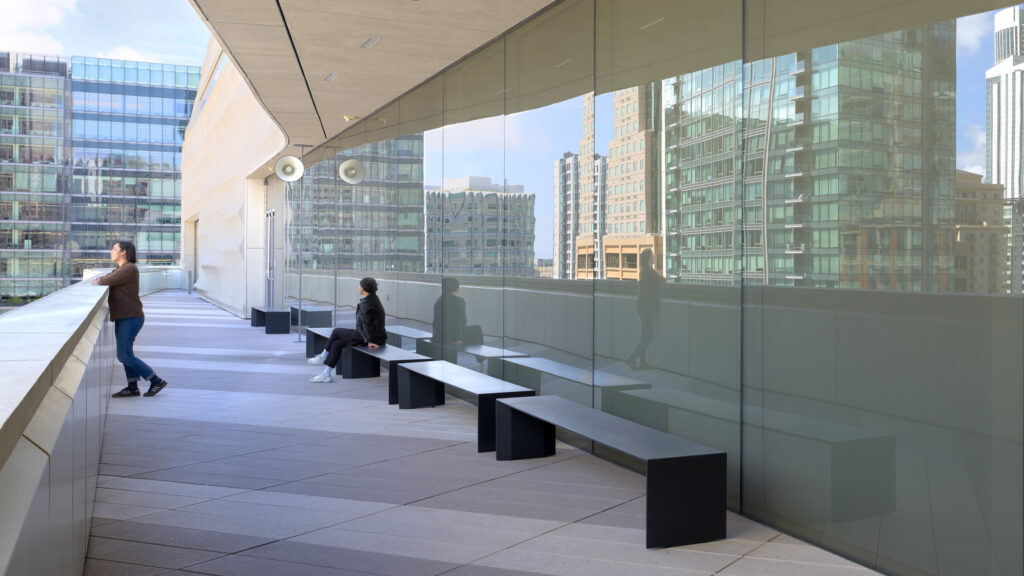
26,25
493,134
128,53
971,30
973,160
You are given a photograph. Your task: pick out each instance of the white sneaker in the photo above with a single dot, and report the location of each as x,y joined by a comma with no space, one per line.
321,378
315,360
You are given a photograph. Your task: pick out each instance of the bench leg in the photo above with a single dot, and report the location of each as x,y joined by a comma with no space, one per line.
519,436
485,420
358,365
257,320
392,382
686,500
417,391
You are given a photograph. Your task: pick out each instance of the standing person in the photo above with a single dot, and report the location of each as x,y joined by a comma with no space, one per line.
369,331
648,295
126,314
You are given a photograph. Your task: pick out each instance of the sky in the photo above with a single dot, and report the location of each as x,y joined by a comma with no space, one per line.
166,31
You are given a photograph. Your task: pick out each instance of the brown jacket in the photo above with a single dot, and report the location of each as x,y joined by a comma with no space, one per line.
124,292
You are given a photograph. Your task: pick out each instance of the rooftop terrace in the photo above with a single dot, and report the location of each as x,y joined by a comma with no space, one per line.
241,466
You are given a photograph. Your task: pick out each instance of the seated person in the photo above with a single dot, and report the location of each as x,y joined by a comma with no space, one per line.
450,318
369,331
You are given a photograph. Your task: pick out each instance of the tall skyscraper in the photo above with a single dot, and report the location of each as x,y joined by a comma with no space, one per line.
847,162
89,154
477,227
1005,104
1005,135
593,198
633,208
566,212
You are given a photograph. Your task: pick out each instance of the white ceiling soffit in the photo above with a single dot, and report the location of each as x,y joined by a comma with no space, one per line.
305,62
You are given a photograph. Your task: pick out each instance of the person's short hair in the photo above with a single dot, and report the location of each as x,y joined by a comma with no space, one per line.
647,257
449,285
369,285
129,250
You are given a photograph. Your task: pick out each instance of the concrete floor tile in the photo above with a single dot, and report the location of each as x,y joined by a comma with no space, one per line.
272,529
249,566
146,554
680,558
358,560
207,478
475,570
764,567
350,508
797,551
97,567
161,487
146,499
266,512
422,547
178,537
121,511
562,565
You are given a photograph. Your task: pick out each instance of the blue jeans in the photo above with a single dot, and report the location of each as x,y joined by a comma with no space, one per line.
125,331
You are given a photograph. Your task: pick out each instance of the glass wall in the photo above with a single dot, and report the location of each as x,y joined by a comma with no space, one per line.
794,243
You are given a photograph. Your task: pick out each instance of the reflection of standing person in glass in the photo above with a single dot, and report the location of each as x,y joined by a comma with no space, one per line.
648,296
450,318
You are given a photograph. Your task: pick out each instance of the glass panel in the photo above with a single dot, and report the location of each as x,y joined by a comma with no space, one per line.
882,366
552,178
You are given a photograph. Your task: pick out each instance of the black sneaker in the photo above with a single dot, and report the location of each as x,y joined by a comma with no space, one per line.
125,392
155,389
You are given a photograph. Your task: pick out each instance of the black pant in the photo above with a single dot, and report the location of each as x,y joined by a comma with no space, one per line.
340,337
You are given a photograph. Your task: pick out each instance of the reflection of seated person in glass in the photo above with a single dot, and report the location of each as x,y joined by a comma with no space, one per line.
450,330
648,296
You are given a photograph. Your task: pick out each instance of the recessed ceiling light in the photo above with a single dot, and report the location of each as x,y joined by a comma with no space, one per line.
563,63
330,77
369,42
349,118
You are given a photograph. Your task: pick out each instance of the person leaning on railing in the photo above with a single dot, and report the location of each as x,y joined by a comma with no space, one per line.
126,314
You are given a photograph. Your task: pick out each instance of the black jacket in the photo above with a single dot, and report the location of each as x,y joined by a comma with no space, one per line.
370,320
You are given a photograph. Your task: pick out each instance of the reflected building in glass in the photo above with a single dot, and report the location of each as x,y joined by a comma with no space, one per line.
581,205
847,167
89,154
34,144
376,225
1005,112
633,206
981,236
475,227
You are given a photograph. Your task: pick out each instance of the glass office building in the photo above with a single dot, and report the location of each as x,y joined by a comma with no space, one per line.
821,320
375,225
90,150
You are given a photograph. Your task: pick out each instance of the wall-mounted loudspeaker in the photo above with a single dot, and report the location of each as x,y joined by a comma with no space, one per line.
288,168
352,171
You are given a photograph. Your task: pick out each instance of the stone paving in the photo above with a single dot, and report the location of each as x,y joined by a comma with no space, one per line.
242,467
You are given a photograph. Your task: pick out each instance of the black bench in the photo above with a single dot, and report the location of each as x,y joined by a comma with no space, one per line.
363,362
398,334
316,339
422,384
316,317
685,480
273,320
529,371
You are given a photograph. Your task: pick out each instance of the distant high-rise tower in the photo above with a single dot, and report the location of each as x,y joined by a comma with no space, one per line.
1005,104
